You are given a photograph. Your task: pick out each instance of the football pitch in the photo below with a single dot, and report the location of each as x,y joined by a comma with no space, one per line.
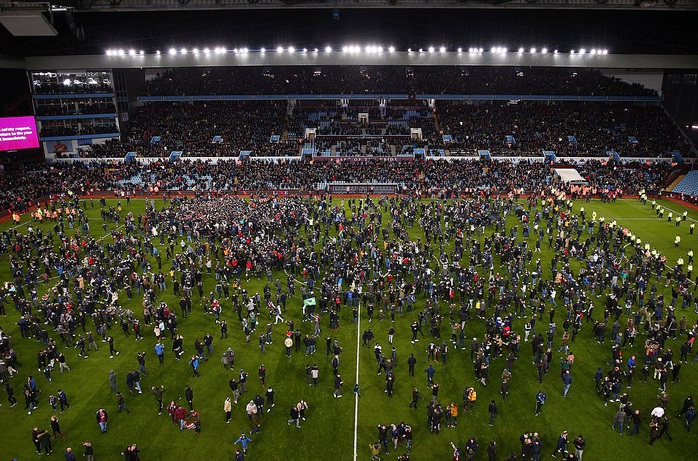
343,428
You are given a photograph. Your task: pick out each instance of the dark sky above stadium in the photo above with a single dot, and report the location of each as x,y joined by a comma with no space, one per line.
619,31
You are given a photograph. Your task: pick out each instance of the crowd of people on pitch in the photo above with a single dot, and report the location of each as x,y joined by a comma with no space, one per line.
473,266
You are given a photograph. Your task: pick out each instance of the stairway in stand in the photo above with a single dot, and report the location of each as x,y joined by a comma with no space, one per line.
674,183
437,123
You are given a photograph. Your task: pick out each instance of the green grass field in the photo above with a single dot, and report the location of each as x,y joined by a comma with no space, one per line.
328,432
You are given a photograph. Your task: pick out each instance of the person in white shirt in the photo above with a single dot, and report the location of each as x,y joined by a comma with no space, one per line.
658,412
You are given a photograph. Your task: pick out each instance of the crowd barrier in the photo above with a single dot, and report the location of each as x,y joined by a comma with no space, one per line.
567,160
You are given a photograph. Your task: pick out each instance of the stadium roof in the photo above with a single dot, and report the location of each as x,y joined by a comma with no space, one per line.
124,59
119,6
90,27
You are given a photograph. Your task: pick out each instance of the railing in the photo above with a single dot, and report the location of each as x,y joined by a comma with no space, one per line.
566,160
42,118
341,187
447,97
73,95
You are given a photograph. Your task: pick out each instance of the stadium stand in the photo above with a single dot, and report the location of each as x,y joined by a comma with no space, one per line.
388,79
596,128
688,185
192,127
46,83
523,129
251,145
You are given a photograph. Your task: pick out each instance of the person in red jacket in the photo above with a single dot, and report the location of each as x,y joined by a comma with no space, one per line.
102,418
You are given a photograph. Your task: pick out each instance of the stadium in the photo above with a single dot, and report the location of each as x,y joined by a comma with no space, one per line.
348,230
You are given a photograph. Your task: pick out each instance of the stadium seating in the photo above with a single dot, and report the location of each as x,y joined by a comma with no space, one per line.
533,127
389,79
688,185
596,127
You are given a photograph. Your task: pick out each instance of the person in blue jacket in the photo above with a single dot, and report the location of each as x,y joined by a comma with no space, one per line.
540,401
160,352
244,440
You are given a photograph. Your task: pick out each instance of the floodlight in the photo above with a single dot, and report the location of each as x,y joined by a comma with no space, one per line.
173,51
544,50
431,49
263,50
328,49
183,51
460,50
442,49
279,49
291,49
533,50
391,49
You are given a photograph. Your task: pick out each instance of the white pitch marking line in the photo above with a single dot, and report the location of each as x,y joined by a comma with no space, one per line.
356,395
